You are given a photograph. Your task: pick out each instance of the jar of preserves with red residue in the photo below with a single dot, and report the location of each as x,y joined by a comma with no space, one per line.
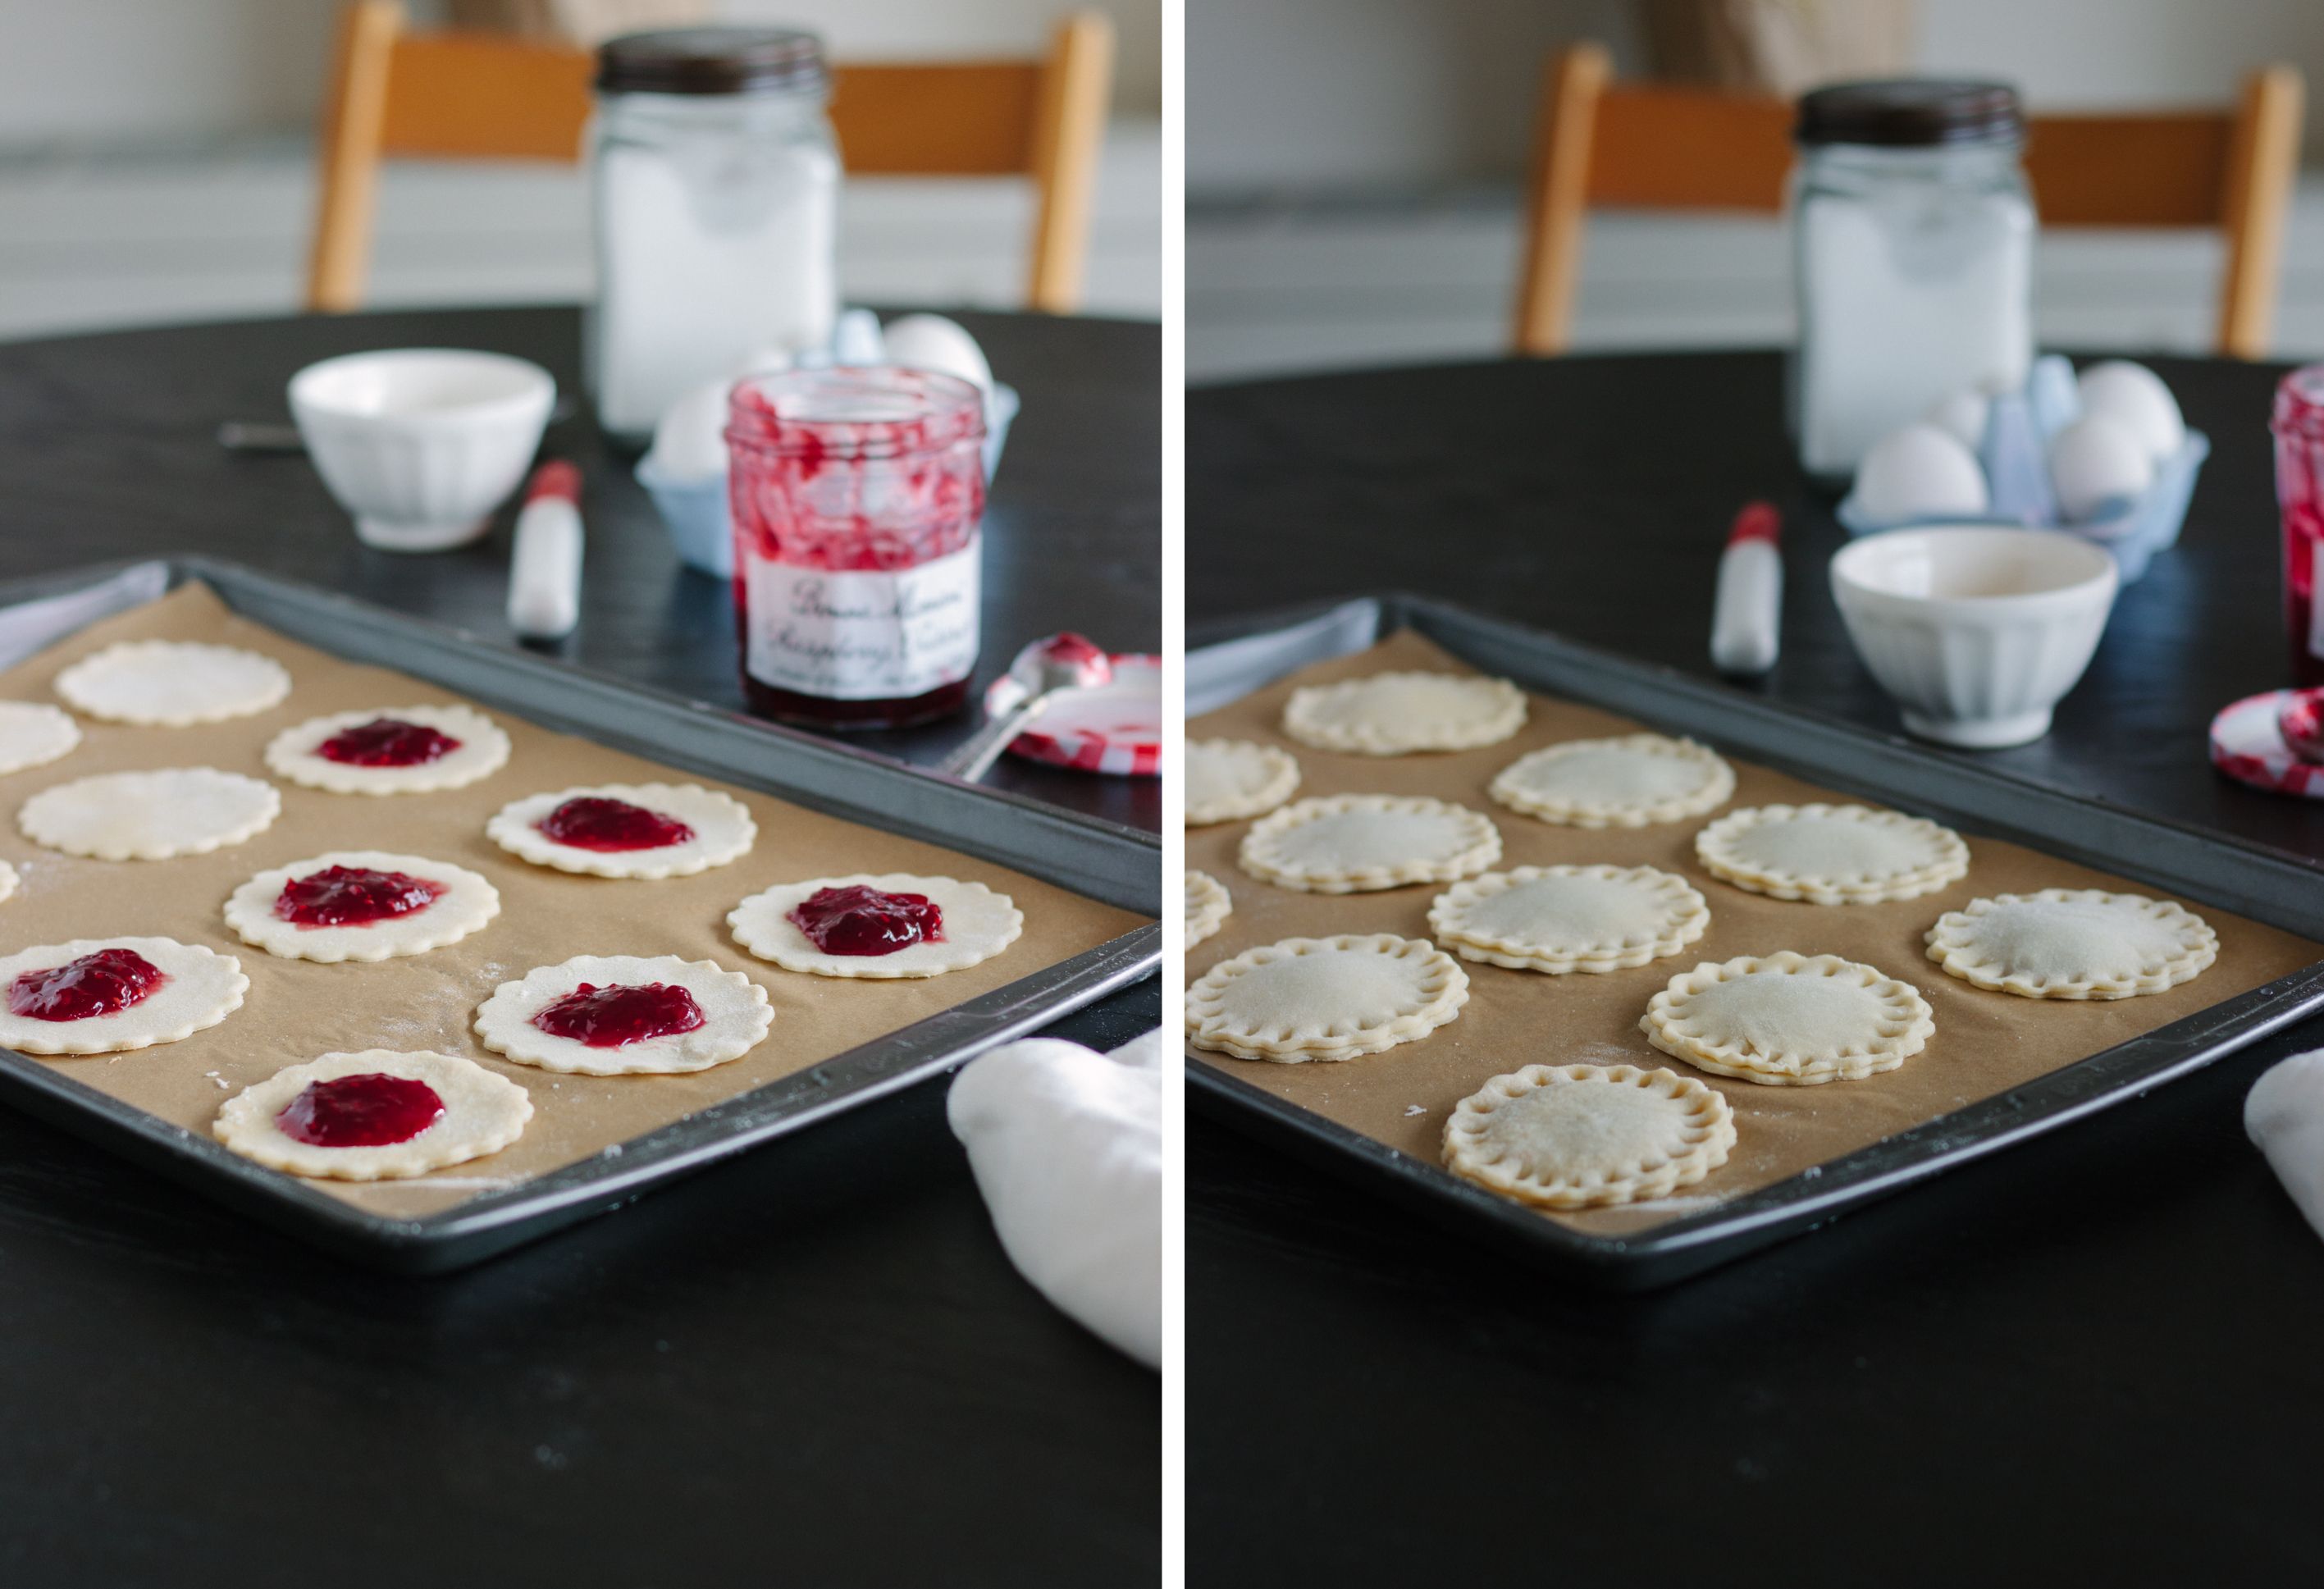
857,495
2298,424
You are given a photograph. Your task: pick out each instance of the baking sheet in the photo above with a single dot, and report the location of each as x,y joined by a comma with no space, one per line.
295,1010
1985,1044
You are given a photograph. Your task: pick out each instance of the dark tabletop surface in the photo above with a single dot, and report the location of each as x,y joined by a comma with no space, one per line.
2082,1356
813,1364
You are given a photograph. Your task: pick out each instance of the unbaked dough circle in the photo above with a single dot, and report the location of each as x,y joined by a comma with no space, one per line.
1331,998
483,751
723,831
466,903
1631,781
1577,1136
977,925
203,988
484,1111
33,734
9,881
1565,919
1788,1019
2073,943
150,816
1228,780
1354,843
1394,714
1208,905
735,1016
1831,854
173,683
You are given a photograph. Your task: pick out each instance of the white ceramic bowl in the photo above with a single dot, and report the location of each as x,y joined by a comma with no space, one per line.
421,444
1976,630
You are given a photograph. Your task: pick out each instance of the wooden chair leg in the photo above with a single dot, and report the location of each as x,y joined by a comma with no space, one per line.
347,155
1068,140
1557,197
2263,165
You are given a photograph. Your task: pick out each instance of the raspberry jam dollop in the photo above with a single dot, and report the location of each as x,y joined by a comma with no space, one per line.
353,896
610,1017
861,920
387,741
368,1111
104,984
593,822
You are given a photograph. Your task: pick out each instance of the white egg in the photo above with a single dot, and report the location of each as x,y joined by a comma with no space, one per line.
2135,397
690,442
931,342
1961,417
1919,472
2094,461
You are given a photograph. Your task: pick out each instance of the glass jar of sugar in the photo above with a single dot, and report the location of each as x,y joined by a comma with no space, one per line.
1913,258
715,180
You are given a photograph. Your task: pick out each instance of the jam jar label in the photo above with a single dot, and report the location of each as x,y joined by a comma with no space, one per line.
855,635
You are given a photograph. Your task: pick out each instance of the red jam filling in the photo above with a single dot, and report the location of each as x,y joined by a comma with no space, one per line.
861,920
387,741
104,984
609,1017
368,1111
353,896
593,822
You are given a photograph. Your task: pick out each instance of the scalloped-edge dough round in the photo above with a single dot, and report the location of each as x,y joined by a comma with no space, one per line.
484,1111
1329,999
977,925
1395,714
1579,1136
1567,919
173,683
735,1016
2073,943
153,815
204,988
1635,780
1228,780
483,750
1208,905
1355,843
1831,854
467,902
723,831
33,734
9,881
1789,1020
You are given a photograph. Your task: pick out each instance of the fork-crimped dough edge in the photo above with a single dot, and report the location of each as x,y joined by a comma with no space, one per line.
1912,884
1208,905
1688,923
1962,960
1710,1132
1713,794
1915,1021
1254,855
1445,994
1259,802
1373,739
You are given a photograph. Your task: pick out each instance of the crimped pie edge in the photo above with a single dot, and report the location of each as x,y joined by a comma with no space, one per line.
1960,959
1779,885
1208,905
1252,856
1713,794
1517,955
1442,1004
1711,1128
1890,1050
1367,739
1260,801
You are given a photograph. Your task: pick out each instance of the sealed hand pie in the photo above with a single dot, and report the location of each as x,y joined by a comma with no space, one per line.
1208,905
1788,1019
1562,919
2073,943
1229,779
1576,1136
1831,854
1628,782
1331,998
1351,844
1395,713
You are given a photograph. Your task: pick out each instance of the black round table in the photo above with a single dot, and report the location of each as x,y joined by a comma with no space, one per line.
2086,1355
812,1364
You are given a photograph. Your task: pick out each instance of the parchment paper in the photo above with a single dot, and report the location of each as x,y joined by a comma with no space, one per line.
297,1009
1985,1042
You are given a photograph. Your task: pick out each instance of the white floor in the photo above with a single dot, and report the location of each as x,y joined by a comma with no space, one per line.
1280,288
94,240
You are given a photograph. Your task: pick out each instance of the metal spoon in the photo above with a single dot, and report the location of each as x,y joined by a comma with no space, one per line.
1065,663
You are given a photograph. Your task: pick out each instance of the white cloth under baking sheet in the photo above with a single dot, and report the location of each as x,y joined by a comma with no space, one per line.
2284,1113
1067,1144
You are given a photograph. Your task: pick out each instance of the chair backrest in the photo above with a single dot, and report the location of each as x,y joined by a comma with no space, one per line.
483,96
1655,146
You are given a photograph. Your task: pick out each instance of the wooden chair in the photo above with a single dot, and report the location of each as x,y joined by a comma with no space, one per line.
485,95
1663,147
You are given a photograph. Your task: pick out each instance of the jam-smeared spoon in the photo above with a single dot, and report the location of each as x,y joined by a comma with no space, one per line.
2299,718
1046,667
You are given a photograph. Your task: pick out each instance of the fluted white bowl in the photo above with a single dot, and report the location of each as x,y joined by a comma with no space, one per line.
421,444
1977,631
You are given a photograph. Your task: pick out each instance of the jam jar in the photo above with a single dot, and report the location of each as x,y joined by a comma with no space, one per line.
857,494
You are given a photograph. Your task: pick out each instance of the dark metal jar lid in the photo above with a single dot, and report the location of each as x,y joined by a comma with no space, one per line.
1905,113
712,60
